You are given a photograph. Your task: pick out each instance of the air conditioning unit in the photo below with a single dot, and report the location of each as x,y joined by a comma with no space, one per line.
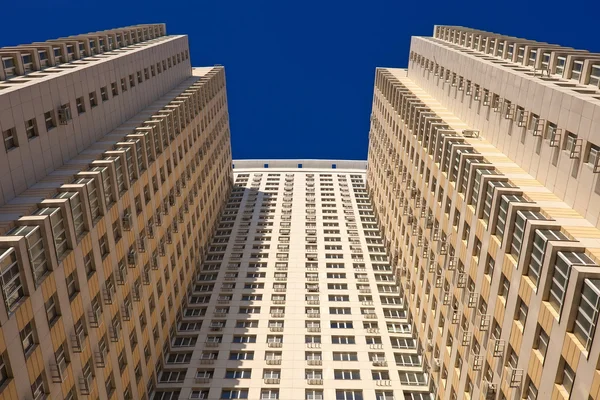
132,258
470,133
489,390
64,114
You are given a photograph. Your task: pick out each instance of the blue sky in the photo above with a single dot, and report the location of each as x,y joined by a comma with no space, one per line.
300,73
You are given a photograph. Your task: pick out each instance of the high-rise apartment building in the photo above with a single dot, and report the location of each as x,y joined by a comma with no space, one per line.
296,298
483,170
117,163
138,261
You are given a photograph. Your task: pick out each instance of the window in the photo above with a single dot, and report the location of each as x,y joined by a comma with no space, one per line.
4,374
31,129
541,341
93,100
346,374
114,89
340,310
52,309
27,338
345,356
80,105
10,278
521,313
49,119
380,375
310,394
269,394
37,388
567,377
243,355
10,139
244,339
388,395
234,394
412,378
587,312
72,288
341,324
343,340
560,280
104,248
238,374
531,392
348,394
104,93
88,262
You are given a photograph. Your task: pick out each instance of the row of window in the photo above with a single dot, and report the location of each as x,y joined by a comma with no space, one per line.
525,119
309,394
95,319
63,115
551,60
557,279
39,56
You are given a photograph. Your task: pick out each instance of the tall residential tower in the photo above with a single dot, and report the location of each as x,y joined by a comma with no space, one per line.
117,163
483,170
138,261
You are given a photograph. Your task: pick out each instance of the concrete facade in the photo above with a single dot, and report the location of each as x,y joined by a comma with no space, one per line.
296,298
117,163
483,171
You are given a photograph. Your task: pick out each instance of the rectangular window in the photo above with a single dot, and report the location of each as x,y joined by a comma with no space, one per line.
93,100
27,338
80,105
347,374
10,139
342,394
587,312
104,93
31,129
568,377
10,278
49,119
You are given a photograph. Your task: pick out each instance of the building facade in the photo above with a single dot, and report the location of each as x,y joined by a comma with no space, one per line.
138,261
483,166
117,163
296,298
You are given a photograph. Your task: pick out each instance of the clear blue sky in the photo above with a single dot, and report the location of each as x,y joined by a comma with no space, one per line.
300,73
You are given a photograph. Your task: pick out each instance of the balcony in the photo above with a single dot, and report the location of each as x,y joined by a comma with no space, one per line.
272,381
314,381
277,315
202,379
275,344
313,328
276,328
273,361
314,361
